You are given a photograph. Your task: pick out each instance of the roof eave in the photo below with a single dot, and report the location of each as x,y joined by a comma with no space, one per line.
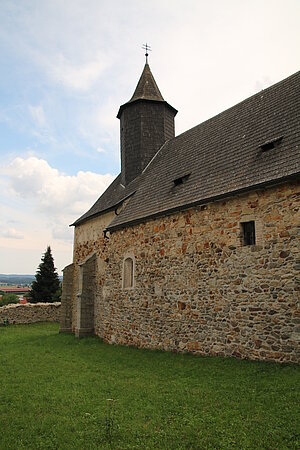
139,100
104,211
186,206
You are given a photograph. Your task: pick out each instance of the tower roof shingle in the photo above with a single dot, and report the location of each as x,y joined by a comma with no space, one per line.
147,88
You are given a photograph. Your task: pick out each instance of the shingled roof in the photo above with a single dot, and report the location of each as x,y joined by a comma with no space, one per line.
146,89
114,195
222,156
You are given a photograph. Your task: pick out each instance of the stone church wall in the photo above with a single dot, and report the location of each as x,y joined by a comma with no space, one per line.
196,287
66,300
89,239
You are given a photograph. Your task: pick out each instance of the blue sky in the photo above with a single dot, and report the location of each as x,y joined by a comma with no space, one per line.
67,66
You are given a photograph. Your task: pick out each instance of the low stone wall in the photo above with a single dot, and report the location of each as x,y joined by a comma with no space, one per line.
30,313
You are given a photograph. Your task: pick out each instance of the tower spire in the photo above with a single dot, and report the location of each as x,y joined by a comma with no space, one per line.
148,49
146,123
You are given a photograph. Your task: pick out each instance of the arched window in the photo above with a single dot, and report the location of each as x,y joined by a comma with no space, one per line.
128,273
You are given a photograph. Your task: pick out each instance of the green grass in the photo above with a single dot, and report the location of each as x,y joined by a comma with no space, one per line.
54,390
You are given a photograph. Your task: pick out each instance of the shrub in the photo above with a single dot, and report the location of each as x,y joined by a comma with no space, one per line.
9,298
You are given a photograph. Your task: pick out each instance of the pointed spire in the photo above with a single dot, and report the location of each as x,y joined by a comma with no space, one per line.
147,88
146,123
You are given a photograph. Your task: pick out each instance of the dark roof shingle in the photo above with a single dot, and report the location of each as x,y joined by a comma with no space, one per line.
222,155
146,88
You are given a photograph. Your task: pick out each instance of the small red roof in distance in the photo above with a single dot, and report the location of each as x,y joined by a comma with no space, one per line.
14,289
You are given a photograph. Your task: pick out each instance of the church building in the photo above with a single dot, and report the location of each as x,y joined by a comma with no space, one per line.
194,247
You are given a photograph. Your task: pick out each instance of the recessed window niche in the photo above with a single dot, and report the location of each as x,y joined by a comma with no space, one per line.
128,273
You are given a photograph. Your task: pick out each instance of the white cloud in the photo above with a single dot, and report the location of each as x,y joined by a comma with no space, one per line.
59,197
100,128
74,75
40,203
11,233
38,115
62,232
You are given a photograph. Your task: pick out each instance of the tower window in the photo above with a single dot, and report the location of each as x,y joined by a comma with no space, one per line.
128,273
248,233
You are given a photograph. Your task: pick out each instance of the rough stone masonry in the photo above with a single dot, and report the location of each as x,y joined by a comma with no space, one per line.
30,313
197,288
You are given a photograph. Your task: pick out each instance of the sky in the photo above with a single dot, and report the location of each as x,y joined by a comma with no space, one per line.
67,66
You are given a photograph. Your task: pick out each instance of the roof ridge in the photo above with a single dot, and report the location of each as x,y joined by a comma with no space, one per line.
238,103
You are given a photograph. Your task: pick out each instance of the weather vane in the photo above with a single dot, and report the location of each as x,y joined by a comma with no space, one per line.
148,49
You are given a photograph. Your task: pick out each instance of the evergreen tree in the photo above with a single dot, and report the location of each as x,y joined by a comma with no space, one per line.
46,284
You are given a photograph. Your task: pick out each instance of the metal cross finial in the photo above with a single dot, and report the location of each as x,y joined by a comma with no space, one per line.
148,49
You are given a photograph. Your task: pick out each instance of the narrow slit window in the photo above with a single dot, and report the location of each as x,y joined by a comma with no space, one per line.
128,273
248,233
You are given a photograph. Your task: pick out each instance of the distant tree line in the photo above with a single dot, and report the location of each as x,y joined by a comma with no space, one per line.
16,279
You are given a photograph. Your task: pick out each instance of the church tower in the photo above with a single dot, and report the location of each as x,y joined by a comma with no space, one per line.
146,123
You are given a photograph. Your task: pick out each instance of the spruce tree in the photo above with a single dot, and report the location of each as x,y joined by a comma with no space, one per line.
46,285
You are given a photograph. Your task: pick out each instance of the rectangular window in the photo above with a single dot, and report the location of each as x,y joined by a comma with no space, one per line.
248,233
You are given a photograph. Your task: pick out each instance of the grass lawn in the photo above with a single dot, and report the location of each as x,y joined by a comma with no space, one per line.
54,392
